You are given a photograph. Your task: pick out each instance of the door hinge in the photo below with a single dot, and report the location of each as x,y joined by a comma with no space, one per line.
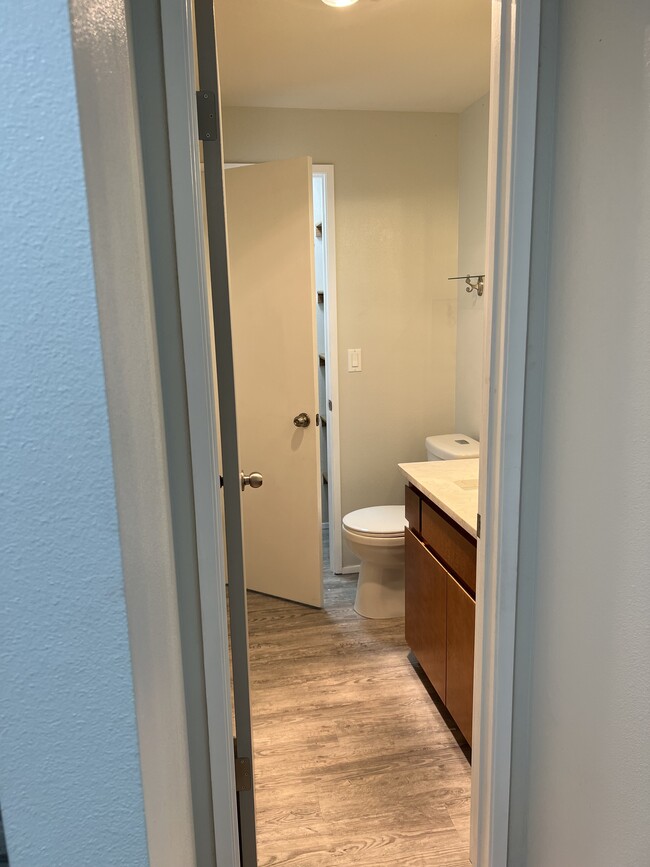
243,771
243,775
317,419
478,526
206,110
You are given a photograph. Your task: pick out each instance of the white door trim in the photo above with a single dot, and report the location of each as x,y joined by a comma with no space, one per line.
511,164
332,371
200,373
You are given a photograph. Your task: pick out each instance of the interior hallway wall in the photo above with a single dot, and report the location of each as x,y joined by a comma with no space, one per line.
585,791
472,214
70,780
396,187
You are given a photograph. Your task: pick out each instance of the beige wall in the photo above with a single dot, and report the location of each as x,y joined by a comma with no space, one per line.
472,208
396,235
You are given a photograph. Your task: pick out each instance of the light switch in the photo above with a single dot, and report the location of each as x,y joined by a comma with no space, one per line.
354,360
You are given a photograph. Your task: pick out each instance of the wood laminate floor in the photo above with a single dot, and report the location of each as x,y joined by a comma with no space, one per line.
354,764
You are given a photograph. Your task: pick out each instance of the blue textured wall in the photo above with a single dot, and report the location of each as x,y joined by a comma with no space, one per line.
70,785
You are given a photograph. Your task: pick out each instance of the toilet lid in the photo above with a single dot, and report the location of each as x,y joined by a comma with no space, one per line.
377,521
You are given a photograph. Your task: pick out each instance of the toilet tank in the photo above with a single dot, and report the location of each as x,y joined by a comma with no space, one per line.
451,447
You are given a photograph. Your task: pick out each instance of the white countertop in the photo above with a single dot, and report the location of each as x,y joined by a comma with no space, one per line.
451,485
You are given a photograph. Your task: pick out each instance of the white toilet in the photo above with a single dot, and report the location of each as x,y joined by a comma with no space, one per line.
376,536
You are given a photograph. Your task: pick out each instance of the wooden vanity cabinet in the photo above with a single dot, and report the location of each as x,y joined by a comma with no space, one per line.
451,544
461,610
440,569
425,616
413,509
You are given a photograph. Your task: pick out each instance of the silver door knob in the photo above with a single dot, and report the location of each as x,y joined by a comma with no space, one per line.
302,420
255,480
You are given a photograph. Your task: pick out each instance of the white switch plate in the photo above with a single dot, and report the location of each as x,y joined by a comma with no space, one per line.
354,360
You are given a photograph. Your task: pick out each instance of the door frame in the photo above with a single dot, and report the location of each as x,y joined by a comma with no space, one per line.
335,531
511,164
177,20
514,93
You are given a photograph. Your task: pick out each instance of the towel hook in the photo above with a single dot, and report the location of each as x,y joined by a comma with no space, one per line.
478,286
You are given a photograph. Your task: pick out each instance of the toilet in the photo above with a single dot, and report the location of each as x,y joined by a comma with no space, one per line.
376,536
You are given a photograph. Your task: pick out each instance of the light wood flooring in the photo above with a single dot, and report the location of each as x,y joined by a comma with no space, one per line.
354,763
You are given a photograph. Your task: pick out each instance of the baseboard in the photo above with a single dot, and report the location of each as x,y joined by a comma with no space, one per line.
348,570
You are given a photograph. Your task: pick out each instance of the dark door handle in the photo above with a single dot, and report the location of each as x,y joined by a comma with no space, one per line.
302,420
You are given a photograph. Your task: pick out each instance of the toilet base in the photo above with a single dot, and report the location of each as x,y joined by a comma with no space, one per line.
380,592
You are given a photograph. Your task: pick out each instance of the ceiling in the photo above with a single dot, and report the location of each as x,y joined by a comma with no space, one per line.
388,55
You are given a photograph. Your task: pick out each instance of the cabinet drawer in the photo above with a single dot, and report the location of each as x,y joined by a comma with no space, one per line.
461,614
453,546
426,611
412,502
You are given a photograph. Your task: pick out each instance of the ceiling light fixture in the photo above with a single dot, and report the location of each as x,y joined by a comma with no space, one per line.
340,3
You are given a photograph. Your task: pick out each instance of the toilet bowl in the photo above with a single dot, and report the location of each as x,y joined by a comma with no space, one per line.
376,536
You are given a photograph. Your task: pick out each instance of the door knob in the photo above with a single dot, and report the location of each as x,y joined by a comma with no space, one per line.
255,480
302,420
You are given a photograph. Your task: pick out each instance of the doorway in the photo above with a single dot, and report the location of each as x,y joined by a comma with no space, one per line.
497,276
328,382
399,226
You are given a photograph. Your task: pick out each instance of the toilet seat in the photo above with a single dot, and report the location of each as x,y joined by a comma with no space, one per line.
385,522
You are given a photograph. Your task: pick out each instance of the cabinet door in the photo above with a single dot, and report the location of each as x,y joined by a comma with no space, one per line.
426,592
412,508
455,548
461,610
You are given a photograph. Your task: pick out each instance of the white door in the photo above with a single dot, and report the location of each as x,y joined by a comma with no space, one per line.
270,226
